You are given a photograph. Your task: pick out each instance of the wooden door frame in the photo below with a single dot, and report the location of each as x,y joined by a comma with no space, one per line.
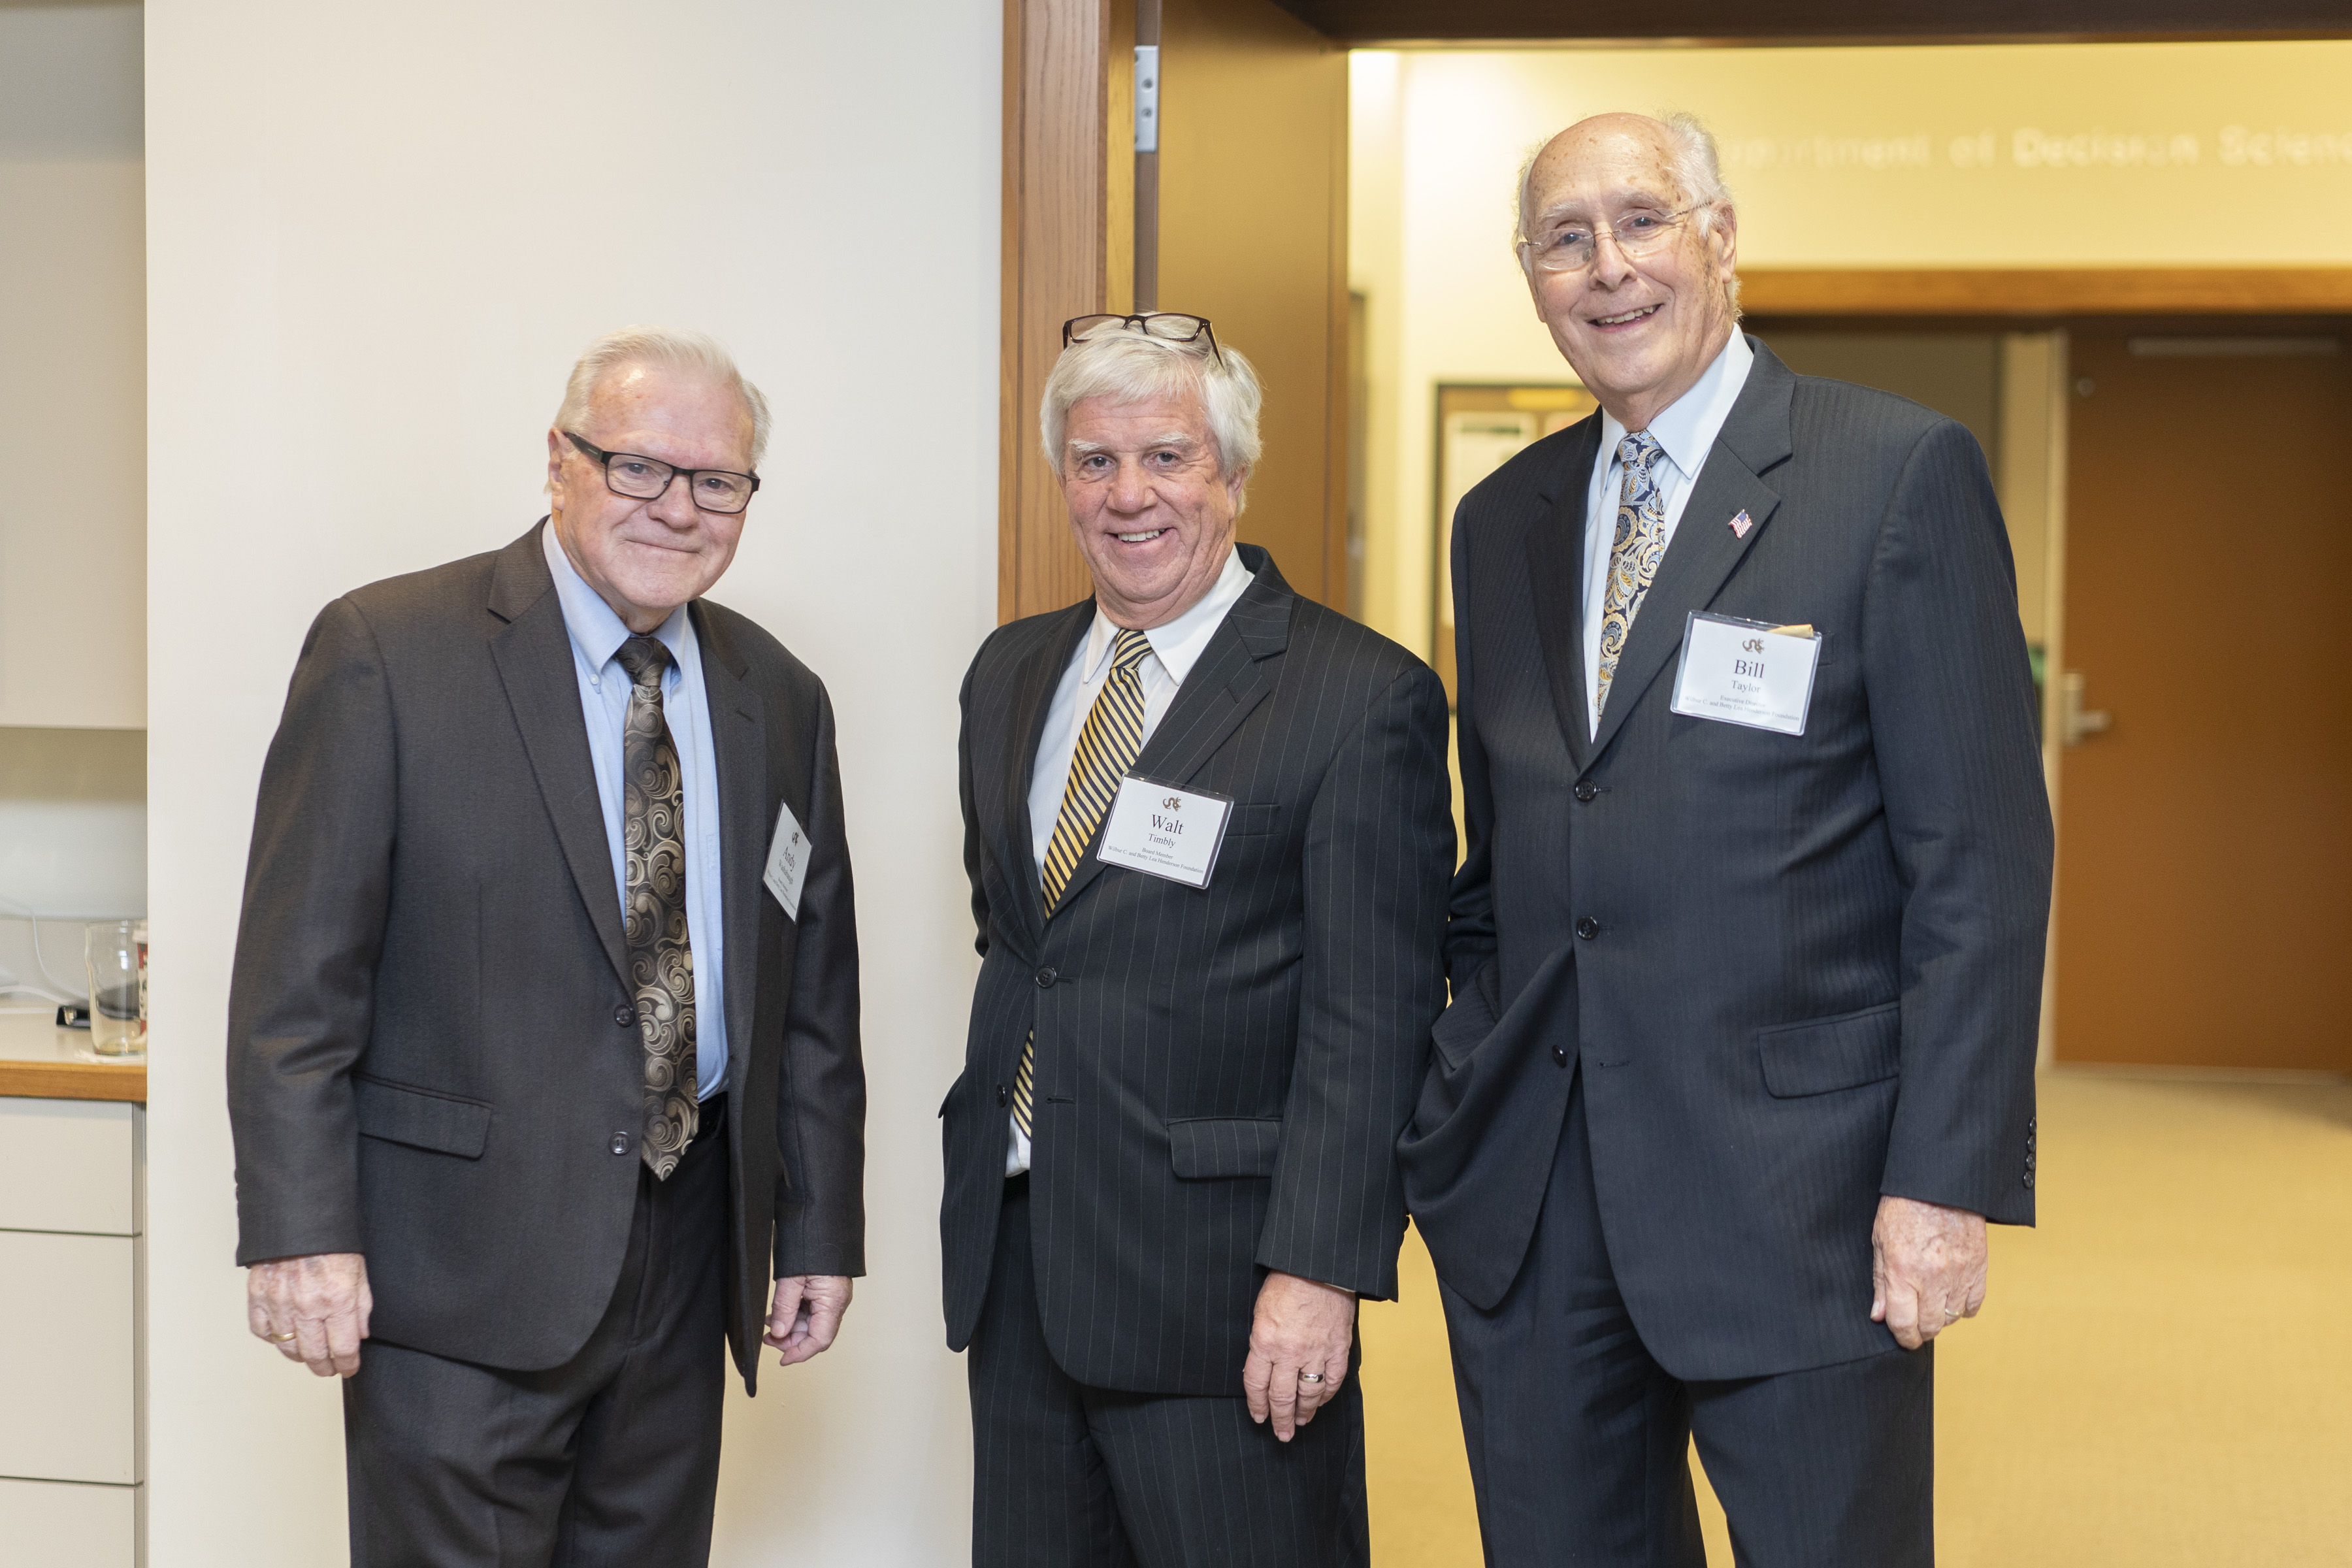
1067,248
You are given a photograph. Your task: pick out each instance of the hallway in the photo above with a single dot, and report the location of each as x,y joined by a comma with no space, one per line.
2161,1377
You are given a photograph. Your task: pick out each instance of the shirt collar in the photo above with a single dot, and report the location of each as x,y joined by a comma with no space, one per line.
1686,429
1179,643
596,632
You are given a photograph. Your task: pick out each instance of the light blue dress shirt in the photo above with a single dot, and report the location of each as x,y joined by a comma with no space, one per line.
597,635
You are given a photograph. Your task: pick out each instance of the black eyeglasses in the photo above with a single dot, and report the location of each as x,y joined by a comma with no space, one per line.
641,478
1167,326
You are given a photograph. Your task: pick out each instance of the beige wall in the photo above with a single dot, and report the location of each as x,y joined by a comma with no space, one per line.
377,236
73,632
2049,155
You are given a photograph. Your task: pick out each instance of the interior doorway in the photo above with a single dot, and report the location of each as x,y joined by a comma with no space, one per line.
2205,834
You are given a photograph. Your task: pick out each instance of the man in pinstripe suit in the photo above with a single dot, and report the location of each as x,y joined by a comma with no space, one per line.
1170,1165
1740,1058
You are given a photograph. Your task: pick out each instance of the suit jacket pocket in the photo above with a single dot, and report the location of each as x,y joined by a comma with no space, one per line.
1204,1147
421,1117
1251,818
1823,1054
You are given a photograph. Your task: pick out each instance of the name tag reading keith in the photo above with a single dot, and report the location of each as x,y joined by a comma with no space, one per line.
1746,672
788,859
1171,833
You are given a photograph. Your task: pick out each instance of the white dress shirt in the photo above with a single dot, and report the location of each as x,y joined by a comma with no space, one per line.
1686,432
597,635
1176,647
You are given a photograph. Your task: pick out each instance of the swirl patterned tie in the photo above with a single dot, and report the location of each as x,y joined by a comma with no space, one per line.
1639,545
1107,747
653,917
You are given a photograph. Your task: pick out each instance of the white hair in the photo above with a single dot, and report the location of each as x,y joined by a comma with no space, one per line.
1697,170
1130,367
691,354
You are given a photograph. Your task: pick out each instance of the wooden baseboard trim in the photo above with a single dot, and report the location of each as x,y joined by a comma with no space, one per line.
2037,293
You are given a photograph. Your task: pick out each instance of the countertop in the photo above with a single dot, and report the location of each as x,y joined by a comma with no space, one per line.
39,1060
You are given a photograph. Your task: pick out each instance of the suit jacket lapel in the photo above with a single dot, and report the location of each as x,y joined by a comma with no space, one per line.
738,744
1034,680
1219,693
1705,550
534,655
1556,580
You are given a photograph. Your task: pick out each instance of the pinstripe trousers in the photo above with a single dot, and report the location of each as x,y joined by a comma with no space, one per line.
1065,1476
1579,1440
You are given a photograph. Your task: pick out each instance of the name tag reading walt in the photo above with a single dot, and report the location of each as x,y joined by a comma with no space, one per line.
1167,832
1746,672
788,859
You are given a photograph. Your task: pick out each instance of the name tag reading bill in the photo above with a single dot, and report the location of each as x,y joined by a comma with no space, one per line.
1166,832
1746,672
788,859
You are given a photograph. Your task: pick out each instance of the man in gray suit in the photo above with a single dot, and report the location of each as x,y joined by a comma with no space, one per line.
1747,950
543,1053
1206,826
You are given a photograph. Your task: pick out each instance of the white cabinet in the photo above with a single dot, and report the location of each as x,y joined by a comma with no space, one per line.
55,1524
69,1165
72,1253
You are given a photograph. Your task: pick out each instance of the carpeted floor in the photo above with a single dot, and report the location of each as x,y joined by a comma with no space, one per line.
2161,1377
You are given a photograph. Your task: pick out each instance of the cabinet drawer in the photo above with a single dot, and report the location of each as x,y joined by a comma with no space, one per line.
58,1525
69,1164
68,1357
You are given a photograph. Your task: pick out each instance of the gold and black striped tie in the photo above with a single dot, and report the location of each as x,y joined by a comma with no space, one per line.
1107,747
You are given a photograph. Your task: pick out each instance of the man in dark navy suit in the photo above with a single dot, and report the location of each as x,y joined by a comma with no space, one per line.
1747,951
1170,1158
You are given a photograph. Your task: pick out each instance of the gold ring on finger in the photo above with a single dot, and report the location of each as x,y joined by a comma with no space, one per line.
281,1339
1310,1377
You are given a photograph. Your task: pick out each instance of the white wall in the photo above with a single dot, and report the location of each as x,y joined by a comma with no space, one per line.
73,650
377,237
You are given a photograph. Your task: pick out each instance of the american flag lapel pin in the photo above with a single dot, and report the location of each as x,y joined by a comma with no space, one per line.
1741,524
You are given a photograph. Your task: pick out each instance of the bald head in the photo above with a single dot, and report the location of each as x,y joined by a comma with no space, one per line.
1629,241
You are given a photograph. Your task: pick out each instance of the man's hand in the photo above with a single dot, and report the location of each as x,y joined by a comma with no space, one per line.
1927,1268
314,1308
1302,1327
806,1314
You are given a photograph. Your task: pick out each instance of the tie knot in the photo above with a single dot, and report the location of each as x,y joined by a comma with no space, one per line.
644,658
1639,450
1129,650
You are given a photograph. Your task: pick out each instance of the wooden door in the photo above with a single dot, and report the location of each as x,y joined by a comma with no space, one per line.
2205,842
1253,233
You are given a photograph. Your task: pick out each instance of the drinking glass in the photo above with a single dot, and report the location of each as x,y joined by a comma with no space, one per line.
117,989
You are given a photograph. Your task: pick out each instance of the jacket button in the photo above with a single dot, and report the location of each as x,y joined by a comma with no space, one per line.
1588,928
1003,1097
1585,790
2029,1178
620,1142
625,1016
1560,1055
1046,976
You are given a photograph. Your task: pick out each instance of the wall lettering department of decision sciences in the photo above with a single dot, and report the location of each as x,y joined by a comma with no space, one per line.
2031,147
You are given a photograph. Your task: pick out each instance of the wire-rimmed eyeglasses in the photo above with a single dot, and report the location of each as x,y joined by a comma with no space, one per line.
640,478
1167,326
1568,247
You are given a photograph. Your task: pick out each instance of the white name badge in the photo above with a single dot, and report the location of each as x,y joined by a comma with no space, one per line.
1167,832
1746,672
788,859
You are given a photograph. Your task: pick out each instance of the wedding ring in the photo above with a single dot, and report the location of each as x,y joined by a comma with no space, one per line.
1310,1377
1949,1314
281,1339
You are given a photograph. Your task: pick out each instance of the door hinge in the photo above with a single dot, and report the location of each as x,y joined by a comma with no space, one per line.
1147,98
